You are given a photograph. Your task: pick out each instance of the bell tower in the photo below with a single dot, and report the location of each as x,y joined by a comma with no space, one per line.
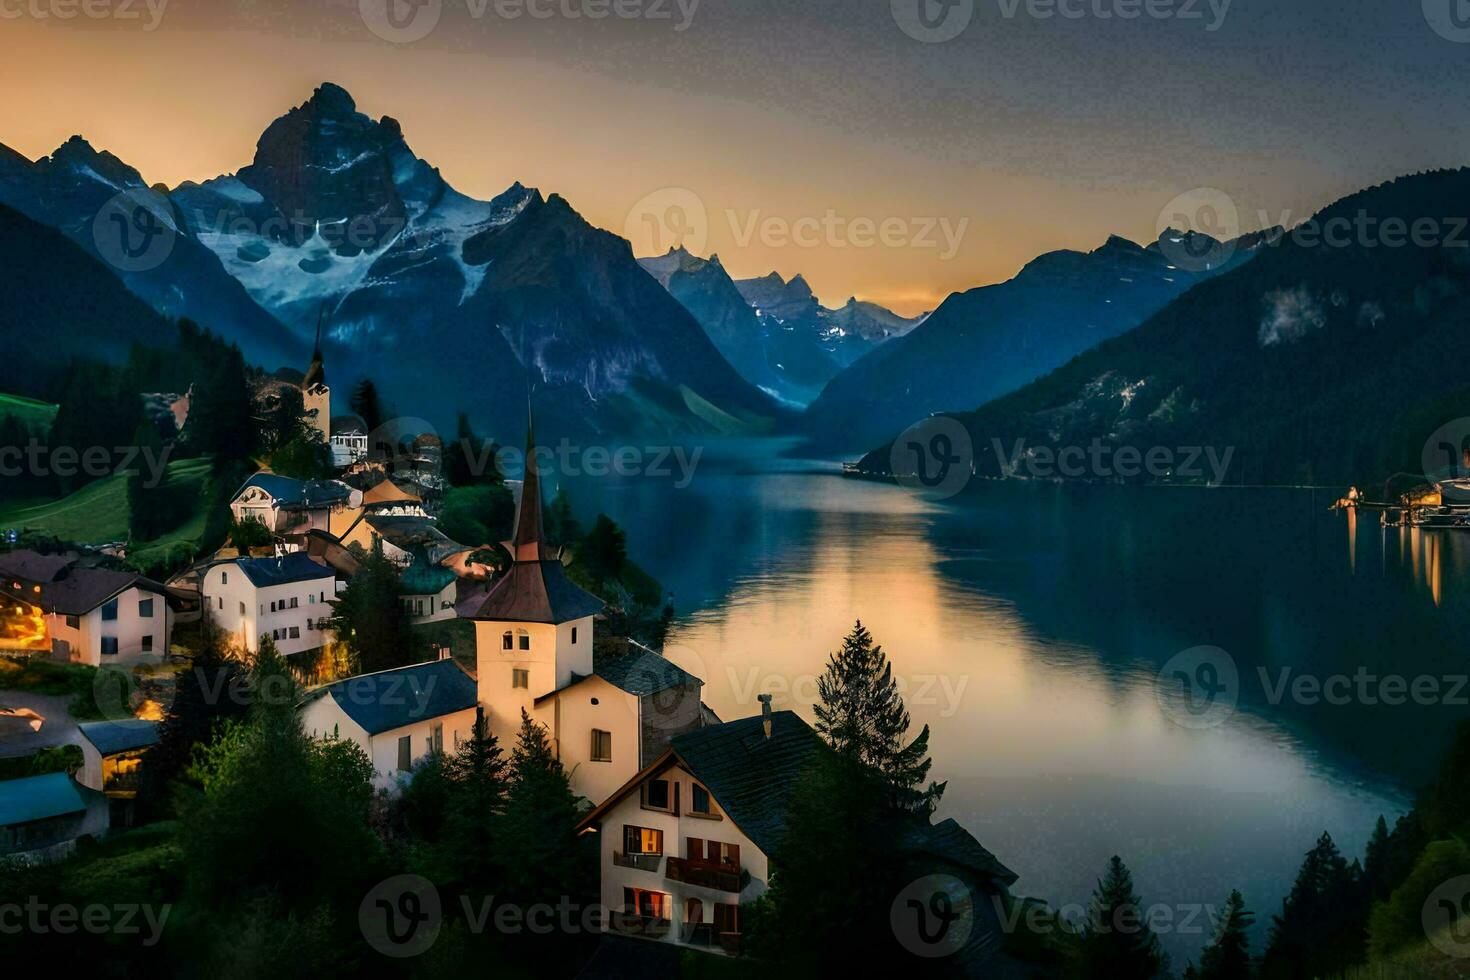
316,397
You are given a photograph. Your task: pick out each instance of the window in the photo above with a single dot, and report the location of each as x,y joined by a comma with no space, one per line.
656,795
296,632
109,646
699,801
642,840
520,678
436,739
294,603
525,640
242,606
224,578
712,852
148,643
727,918
145,609
405,754
109,610
506,643
574,634
73,622
273,605
311,599
652,905
601,745
222,605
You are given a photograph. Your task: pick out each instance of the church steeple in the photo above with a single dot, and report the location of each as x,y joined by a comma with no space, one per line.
529,529
316,374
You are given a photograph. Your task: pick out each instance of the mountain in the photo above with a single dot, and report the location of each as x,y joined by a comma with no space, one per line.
775,333
106,208
991,340
61,303
1314,363
453,303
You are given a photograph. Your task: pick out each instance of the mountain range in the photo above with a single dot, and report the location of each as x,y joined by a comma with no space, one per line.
447,302
1314,363
774,331
988,341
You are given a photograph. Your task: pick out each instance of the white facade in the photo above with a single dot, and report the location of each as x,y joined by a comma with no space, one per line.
254,502
689,872
133,626
597,764
292,614
391,749
431,608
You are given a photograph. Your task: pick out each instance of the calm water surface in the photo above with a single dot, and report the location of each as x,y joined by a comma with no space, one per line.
1029,625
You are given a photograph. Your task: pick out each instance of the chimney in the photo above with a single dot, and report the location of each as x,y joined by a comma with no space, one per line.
765,700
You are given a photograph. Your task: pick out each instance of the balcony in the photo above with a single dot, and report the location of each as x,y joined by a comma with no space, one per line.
645,926
642,862
708,874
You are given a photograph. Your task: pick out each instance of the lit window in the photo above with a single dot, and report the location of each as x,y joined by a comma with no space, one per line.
601,745
642,840
520,678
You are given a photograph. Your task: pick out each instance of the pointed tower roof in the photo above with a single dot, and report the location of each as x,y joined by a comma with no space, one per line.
535,589
316,374
530,531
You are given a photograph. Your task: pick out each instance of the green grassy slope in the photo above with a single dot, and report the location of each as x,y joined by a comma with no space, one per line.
98,512
34,415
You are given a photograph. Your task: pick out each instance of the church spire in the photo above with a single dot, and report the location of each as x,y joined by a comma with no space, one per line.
316,374
529,530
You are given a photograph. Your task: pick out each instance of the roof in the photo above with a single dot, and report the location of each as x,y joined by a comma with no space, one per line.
392,699
295,567
39,798
67,588
112,737
348,425
529,533
388,492
948,840
423,577
413,532
289,492
750,775
537,592
641,672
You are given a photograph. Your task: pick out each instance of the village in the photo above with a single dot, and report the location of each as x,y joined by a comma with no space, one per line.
688,808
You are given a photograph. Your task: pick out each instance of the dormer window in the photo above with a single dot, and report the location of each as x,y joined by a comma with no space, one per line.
657,795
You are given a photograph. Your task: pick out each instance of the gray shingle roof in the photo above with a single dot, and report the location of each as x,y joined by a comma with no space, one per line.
66,587
752,776
288,492
111,737
948,840
295,567
641,672
392,699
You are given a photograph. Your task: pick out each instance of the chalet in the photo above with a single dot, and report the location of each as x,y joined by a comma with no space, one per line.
284,598
397,716
428,591
95,616
690,838
290,506
41,817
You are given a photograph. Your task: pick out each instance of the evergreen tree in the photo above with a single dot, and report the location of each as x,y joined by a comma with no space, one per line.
369,617
544,857
475,799
862,716
1319,932
154,508
1377,859
604,551
1116,943
1228,955
365,405
220,411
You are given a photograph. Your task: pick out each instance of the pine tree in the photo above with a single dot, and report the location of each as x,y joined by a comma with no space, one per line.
544,858
1228,955
862,716
476,775
1320,931
1116,942
1376,861
370,619
366,406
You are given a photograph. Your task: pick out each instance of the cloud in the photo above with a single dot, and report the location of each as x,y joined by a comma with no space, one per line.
1291,314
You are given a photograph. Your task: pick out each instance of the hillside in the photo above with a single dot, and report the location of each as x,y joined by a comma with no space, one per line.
1310,364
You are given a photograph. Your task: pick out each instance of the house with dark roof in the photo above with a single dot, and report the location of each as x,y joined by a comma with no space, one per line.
428,591
112,754
41,817
690,838
80,614
290,506
286,598
397,716
534,652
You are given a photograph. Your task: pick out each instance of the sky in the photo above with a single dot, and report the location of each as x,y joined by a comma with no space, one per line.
879,153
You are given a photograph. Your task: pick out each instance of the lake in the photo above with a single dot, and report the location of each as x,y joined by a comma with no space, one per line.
1029,625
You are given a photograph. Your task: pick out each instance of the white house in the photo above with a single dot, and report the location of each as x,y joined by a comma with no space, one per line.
690,838
284,598
397,716
428,591
79,614
290,506
534,652
349,440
